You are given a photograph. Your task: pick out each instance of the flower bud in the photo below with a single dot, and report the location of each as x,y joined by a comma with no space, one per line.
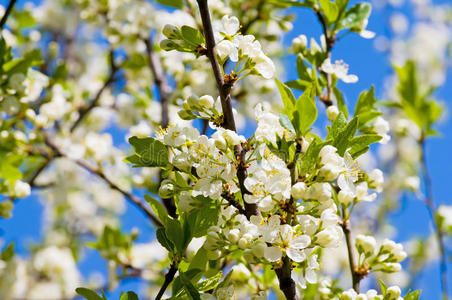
168,45
231,137
392,267
206,101
244,243
21,189
298,190
213,255
166,189
259,249
345,198
348,295
376,180
233,235
365,244
171,31
193,101
393,293
332,112
185,114
299,43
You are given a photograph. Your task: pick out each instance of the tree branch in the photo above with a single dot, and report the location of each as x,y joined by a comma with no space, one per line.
164,93
430,205
224,89
83,112
356,278
132,198
8,11
168,279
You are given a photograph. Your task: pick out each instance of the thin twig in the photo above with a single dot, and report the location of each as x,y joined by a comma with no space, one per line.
132,198
168,279
356,278
83,112
164,94
8,11
430,205
224,89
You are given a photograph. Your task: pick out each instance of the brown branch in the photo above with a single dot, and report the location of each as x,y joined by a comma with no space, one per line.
330,40
8,11
164,94
430,205
168,279
132,198
356,277
224,89
83,112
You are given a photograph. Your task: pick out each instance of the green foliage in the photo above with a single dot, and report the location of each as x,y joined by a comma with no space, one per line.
355,17
89,294
172,3
129,296
184,39
365,108
416,99
8,252
112,241
298,115
149,152
330,10
158,208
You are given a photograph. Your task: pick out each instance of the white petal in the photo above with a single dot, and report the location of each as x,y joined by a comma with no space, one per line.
311,276
272,254
300,242
367,34
296,255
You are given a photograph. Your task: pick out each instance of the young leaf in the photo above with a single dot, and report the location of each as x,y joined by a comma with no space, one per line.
192,36
149,152
157,207
355,17
330,9
172,3
287,97
163,239
129,296
175,234
285,122
305,113
88,294
343,139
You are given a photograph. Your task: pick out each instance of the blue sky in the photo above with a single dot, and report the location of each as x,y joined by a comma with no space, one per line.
372,67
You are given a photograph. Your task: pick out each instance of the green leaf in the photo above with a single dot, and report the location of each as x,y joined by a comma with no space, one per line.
302,70
6,208
163,239
157,207
343,139
129,296
149,152
172,3
8,253
210,283
330,9
199,261
361,143
355,17
88,294
287,97
175,234
289,3
305,113
299,84
189,287
340,102
21,65
285,122
413,295
192,36
383,287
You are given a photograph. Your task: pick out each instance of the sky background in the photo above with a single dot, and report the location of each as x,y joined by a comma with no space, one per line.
372,67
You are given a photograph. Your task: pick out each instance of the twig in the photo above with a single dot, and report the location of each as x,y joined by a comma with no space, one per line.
132,198
356,278
430,205
83,112
164,93
330,40
224,89
8,11
168,279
